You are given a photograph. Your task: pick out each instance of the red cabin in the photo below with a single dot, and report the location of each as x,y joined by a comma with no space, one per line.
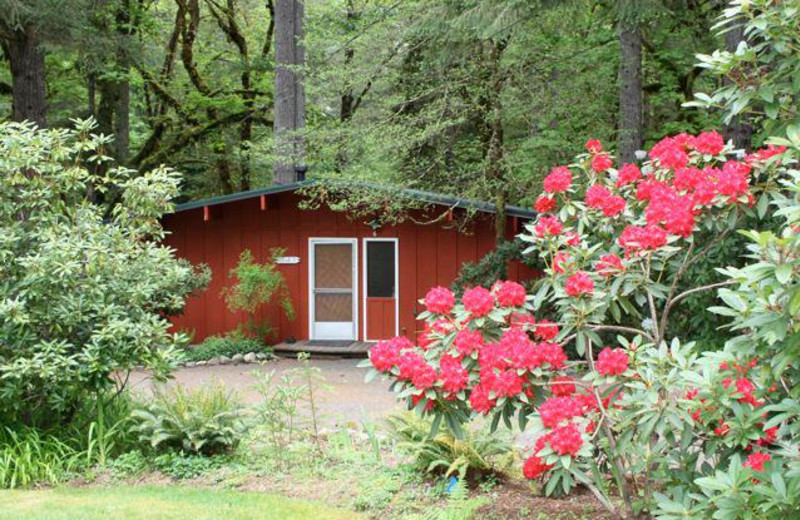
347,279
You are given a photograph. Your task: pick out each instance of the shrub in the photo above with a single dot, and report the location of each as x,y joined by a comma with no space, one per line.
85,283
474,455
494,265
229,345
257,285
647,414
206,421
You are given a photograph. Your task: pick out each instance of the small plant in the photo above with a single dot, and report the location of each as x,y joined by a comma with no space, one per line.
459,506
128,464
207,421
28,457
473,455
228,345
277,413
180,466
257,285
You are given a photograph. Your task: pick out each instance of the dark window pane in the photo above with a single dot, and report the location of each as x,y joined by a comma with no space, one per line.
380,269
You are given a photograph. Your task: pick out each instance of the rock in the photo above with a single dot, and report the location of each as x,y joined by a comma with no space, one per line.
201,363
224,360
237,358
261,356
189,364
250,357
214,361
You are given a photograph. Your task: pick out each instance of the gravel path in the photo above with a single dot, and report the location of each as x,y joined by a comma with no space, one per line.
347,400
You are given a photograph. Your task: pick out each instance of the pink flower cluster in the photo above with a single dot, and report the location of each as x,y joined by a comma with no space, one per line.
612,362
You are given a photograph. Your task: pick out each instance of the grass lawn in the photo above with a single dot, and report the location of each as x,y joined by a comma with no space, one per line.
158,503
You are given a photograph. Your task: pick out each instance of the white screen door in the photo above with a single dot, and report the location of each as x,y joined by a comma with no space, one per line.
333,289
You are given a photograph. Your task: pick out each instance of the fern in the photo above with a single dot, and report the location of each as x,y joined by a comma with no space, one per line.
478,453
459,506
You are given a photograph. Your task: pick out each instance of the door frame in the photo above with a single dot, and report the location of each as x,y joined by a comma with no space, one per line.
396,282
312,242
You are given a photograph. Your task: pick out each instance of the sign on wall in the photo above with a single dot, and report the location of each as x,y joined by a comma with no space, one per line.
287,260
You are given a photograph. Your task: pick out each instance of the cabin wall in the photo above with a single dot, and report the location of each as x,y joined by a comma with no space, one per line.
428,255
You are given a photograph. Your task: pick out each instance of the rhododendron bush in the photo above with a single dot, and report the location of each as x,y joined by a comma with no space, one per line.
642,420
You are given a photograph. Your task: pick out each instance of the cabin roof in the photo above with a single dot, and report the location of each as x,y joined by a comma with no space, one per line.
426,196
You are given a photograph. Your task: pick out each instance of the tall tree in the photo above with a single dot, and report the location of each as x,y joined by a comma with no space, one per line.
289,90
22,46
631,98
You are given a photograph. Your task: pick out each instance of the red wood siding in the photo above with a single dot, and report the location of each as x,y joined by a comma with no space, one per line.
427,256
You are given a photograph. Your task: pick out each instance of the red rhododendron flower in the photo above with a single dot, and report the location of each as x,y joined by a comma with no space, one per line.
770,436
637,238
479,400
453,376
565,439
612,362
555,410
468,341
628,174
573,239
670,153
563,386
755,461
534,467
545,204
578,284
770,151
733,179
594,146
548,226
596,196
552,354
386,354
601,162
609,265
561,261
558,180
440,300
709,143
613,206
509,294
505,383
478,301
723,428
546,330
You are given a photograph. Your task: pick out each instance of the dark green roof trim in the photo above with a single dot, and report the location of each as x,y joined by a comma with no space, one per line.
426,196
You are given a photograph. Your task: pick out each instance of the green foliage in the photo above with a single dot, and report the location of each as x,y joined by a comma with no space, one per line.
493,265
229,345
459,506
762,308
28,457
257,285
475,454
182,466
761,73
281,431
206,421
84,283
129,464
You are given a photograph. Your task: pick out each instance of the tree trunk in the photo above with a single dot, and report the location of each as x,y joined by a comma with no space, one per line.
289,92
631,120
28,80
738,130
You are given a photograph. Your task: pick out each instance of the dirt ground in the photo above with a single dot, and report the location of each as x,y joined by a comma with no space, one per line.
347,400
